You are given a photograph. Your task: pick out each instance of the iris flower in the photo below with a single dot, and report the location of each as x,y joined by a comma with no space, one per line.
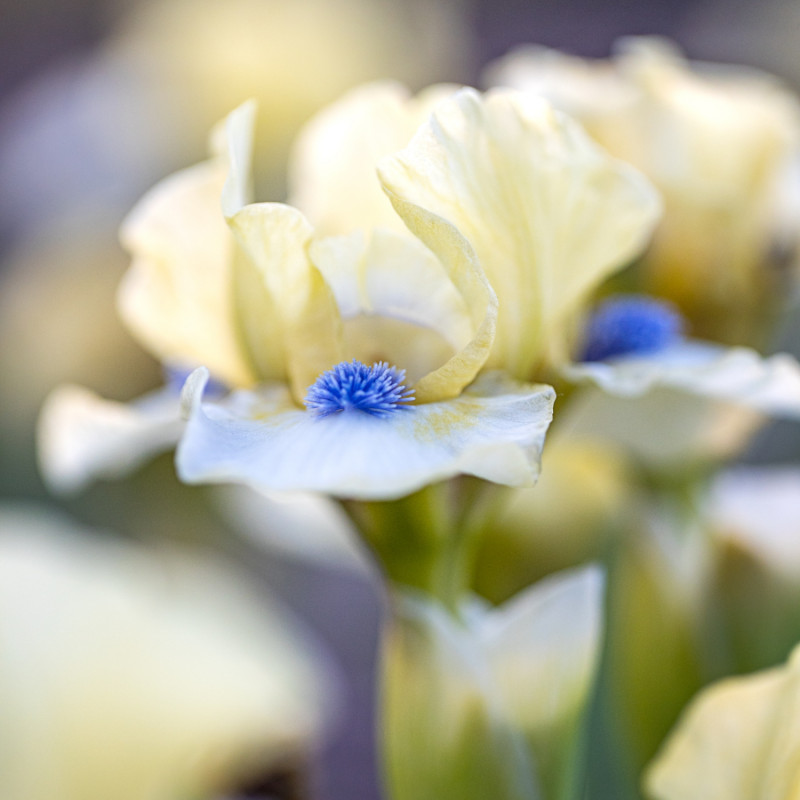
634,344
370,360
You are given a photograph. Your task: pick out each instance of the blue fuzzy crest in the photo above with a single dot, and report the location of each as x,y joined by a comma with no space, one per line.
630,325
352,386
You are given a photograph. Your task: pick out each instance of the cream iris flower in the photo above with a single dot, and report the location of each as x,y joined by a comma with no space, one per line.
258,298
716,141
497,203
634,345
738,740
133,677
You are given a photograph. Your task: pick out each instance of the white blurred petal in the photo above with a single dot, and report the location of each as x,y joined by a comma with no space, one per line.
495,430
301,524
543,648
128,676
758,509
664,428
737,374
446,731
83,437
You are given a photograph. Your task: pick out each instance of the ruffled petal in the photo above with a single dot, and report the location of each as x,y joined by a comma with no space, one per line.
332,173
549,214
275,238
738,740
177,296
494,431
289,315
738,375
82,437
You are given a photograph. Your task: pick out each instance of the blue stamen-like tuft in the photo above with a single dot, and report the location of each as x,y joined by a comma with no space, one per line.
630,325
352,386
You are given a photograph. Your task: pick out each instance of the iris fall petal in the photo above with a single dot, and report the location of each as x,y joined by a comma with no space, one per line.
83,437
494,431
739,375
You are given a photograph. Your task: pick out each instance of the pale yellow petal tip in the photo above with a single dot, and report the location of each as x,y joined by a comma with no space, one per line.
234,137
241,118
192,392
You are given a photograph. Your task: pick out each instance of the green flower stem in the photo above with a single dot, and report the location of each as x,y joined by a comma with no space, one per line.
683,501
429,540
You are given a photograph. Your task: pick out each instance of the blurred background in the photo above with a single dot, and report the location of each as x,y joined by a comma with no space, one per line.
99,99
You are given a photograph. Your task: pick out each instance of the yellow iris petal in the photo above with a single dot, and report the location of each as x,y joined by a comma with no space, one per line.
548,213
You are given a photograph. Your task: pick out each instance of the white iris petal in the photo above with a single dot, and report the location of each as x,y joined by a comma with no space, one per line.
495,431
736,374
83,437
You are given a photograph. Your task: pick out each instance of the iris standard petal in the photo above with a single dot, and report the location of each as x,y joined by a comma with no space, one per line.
304,322
82,437
495,431
288,314
177,294
549,213
737,374
332,171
